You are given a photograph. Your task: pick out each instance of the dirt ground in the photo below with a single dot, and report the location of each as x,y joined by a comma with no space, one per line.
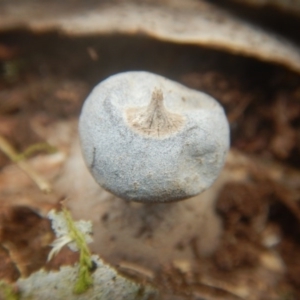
48,76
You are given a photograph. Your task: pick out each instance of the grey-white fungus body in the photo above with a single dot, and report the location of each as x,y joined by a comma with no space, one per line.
146,138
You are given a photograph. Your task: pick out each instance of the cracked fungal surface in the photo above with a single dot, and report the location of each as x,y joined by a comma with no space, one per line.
146,138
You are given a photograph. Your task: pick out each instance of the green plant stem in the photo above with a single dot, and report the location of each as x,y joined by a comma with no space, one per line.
8,292
84,280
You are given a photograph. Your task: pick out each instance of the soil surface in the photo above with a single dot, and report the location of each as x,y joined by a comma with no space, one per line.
46,77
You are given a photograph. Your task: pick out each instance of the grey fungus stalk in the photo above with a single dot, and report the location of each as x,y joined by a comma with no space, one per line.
146,138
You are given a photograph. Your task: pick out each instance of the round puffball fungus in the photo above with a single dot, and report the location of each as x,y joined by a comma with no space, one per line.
149,139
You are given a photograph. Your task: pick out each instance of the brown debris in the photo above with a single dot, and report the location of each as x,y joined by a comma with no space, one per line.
243,204
292,6
236,254
8,270
288,250
26,237
7,52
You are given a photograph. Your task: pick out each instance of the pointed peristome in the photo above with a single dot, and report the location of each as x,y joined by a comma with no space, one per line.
154,120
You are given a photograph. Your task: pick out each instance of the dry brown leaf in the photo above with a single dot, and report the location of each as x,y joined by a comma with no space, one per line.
292,6
186,22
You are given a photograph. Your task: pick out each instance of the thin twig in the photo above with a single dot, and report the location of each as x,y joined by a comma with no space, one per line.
8,149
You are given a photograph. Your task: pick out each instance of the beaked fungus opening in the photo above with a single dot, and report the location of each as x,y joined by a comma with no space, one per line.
154,120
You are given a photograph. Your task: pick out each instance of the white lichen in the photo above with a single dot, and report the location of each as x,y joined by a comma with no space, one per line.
107,285
88,279
59,225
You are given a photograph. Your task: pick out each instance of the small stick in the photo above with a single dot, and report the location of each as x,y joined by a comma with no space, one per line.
8,150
